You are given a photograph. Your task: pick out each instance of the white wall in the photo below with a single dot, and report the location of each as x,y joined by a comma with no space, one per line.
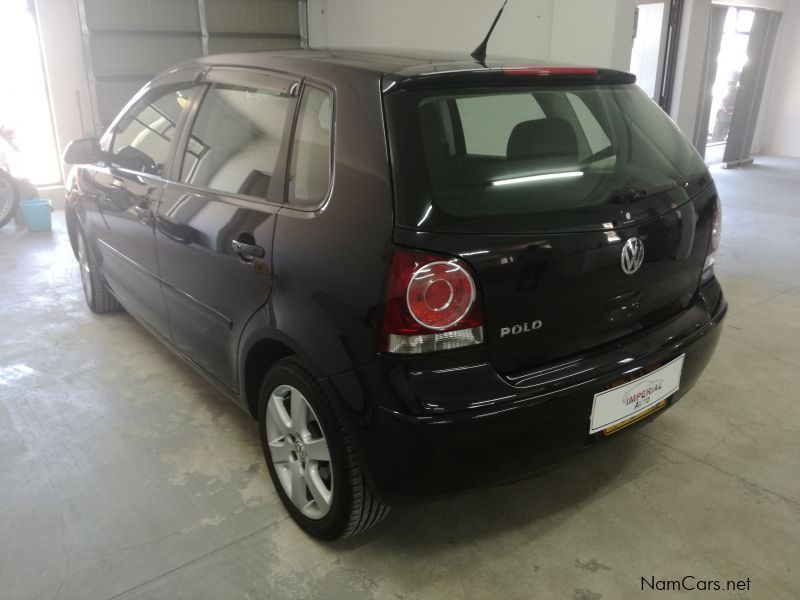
780,111
598,33
59,32
523,30
647,48
592,32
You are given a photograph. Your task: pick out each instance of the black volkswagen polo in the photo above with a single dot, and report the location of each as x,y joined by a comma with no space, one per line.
419,275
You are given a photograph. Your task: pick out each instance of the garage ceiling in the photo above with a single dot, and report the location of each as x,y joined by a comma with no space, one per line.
127,42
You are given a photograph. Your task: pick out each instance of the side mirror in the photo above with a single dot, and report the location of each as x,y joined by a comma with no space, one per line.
135,160
83,152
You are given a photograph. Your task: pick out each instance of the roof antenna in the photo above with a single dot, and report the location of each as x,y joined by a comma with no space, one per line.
479,54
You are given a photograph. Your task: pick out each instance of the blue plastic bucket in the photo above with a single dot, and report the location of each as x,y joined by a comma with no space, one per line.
37,214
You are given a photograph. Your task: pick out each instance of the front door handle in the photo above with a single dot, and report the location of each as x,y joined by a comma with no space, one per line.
247,251
143,214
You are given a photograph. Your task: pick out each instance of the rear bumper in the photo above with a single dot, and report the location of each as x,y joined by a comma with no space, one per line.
511,427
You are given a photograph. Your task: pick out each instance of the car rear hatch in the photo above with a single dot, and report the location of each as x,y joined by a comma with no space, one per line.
583,211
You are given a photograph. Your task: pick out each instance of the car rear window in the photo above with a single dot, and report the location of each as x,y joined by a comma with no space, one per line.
501,154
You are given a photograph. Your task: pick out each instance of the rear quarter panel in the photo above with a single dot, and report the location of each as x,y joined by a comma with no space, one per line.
329,263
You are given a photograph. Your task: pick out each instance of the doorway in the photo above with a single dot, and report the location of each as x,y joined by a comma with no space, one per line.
731,60
735,68
28,145
657,26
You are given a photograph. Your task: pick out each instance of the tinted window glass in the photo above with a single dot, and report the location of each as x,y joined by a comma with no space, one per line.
235,140
311,153
487,121
143,137
596,138
576,150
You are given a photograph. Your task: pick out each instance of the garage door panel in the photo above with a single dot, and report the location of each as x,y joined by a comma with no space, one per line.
252,16
221,45
112,95
151,15
141,54
127,42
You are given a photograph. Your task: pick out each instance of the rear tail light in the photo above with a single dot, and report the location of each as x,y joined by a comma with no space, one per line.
431,304
713,243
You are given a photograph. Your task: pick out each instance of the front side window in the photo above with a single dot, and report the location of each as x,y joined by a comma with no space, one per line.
235,140
143,137
310,172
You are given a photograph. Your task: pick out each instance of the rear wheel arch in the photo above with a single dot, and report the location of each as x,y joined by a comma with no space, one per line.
261,345
260,357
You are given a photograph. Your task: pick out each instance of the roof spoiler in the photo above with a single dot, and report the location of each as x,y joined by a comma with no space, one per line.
514,75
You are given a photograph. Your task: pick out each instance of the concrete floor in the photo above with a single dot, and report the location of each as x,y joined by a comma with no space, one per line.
124,475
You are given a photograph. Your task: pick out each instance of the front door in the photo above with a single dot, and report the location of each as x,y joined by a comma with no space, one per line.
214,226
124,195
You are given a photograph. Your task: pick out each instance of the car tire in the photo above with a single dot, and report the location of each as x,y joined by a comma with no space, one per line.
98,297
327,499
9,197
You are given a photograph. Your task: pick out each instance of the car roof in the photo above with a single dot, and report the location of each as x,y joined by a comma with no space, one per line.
406,68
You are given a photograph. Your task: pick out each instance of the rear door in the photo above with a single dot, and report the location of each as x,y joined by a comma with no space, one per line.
215,224
124,196
582,209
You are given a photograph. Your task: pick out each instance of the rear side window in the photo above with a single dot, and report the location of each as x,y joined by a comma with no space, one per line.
310,171
493,156
142,138
235,140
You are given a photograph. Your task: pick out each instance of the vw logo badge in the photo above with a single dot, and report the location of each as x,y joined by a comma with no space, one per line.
632,256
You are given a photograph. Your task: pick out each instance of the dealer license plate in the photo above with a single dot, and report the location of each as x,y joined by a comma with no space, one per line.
627,403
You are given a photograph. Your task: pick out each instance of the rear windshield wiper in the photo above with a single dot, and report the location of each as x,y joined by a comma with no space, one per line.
634,194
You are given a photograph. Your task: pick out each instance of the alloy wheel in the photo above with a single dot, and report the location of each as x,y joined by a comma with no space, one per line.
299,451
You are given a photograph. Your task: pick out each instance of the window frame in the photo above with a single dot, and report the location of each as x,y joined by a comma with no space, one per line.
244,78
288,197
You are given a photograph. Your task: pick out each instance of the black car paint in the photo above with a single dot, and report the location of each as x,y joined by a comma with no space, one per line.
526,429
573,284
421,423
121,203
210,303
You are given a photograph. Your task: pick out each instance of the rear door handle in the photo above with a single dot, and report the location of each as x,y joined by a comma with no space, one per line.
247,251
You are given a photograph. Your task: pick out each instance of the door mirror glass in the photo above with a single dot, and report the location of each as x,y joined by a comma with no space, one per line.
134,159
82,152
